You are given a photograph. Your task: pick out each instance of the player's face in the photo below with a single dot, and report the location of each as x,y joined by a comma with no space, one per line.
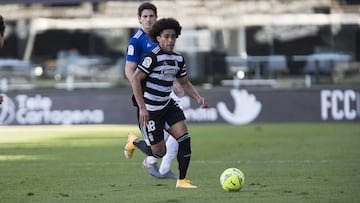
147,19
167,40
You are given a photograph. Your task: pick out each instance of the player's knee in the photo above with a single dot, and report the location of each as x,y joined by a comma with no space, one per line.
159,153
158,156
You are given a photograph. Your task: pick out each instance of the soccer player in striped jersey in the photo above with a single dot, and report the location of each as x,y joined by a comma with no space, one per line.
138,45
151,85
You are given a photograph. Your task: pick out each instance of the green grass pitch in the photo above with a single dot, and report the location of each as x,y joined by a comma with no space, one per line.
302,162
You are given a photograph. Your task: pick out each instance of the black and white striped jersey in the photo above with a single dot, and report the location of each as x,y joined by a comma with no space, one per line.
161,70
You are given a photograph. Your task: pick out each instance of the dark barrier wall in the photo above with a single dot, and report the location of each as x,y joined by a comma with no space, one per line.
234,106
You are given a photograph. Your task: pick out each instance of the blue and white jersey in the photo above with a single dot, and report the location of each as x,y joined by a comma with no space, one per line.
161,70
138,46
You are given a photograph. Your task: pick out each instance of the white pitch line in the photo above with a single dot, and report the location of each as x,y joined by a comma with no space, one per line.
199,162
263,161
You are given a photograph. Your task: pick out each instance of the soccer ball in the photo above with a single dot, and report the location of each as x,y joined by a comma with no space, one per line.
232,179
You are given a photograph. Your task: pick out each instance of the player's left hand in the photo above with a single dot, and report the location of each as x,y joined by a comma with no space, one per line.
203,103
143,117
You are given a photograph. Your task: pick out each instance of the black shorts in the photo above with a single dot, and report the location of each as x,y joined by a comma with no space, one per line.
170,115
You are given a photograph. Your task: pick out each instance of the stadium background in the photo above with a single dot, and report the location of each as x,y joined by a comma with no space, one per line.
283,53
288,68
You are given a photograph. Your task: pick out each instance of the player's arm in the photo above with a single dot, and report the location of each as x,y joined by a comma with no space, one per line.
178,89
135,81
130,69
132,58
191,91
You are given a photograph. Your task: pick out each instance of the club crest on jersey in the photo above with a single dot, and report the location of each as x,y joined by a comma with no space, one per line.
130,50
147,62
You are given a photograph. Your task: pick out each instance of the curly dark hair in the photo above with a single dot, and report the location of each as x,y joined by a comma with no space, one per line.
163,24
2,26
147,5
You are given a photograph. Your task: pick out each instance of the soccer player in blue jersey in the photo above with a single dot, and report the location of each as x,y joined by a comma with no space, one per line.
138,45
151,85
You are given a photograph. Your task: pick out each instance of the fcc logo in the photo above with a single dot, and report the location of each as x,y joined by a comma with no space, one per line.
7,111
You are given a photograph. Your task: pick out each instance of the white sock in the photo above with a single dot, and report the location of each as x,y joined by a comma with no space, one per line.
171,152
151,159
